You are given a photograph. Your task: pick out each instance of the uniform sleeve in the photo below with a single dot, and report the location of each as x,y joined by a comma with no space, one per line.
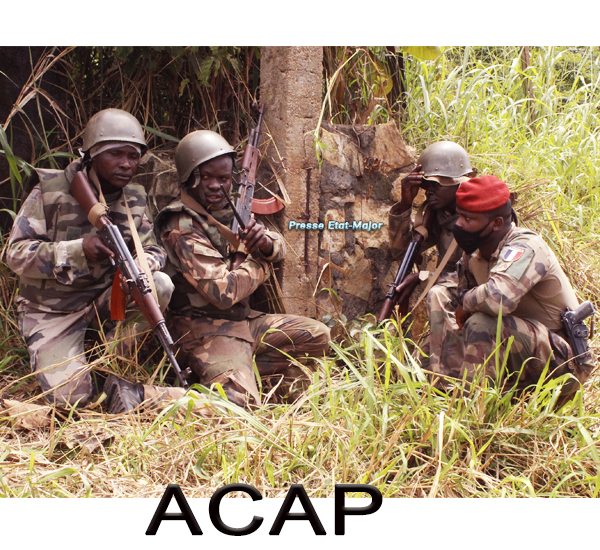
400,232
519,268
203,266
31,252
155,254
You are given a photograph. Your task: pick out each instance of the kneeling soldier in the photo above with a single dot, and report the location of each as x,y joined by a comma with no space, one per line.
216,330
64,267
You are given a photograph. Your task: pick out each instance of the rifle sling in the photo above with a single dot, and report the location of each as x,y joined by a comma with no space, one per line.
141,256
101,209
433,278
227,233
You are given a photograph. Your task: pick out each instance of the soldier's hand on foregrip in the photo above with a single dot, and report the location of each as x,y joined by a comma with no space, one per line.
410,187
256,238
407,287
123,284
95,250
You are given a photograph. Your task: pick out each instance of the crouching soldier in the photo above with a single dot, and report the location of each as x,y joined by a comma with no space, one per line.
440,170
216,330
65,270
509,270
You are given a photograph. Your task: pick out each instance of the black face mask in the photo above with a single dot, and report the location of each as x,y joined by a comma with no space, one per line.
469,241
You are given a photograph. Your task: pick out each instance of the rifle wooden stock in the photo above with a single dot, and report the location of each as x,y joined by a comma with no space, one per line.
409,260
137,280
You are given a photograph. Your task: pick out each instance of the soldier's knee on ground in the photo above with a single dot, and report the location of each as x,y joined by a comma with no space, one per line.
164,289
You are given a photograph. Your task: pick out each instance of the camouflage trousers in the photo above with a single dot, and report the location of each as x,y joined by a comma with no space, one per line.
471,351
55,341
226,359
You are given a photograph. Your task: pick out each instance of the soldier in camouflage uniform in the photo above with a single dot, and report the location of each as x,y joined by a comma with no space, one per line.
65,274
509,270
216,330
440,170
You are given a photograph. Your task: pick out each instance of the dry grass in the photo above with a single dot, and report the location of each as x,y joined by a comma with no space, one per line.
409,441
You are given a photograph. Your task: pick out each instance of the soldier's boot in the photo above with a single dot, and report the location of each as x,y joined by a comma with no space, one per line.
122,396
235,385
235,394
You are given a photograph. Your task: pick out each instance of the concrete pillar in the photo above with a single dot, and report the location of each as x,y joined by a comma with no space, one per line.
291,85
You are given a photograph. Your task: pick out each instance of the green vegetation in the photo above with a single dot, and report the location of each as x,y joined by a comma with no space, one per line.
368,415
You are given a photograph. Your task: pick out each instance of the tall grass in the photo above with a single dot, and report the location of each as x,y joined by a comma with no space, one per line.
545,147
355,423
369,415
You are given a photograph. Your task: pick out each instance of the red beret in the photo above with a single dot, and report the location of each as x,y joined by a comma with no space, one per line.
482,194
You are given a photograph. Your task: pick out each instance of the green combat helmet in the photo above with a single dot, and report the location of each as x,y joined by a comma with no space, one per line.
113,125
196,148
445,158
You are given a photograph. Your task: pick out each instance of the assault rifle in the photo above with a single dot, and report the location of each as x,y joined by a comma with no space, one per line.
243,205
577,332
409,260
136,279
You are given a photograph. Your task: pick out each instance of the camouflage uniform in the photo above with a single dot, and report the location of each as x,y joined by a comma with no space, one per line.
215,329
441,300
440,235
525,282
61,294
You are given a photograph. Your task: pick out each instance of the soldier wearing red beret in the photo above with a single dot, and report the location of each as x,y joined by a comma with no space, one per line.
505,270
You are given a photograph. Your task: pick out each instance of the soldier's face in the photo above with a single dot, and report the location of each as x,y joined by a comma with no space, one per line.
472,221
213,174
440,197
116,167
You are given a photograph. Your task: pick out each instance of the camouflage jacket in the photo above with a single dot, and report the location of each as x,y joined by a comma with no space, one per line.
523,277
45,246
204,283
440,235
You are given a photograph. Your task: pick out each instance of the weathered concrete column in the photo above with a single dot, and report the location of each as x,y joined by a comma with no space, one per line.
291,88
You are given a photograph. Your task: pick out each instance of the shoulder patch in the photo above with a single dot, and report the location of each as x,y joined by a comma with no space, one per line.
511,253
514,261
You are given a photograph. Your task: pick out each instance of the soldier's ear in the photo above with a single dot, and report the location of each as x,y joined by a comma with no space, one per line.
498,223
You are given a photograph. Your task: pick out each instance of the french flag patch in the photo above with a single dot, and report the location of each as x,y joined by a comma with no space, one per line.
512,254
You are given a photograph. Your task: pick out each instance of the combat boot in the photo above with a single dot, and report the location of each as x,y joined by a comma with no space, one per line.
122,396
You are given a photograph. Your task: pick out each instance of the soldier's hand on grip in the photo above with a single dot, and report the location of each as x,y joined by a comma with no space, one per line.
407,287
95,250
255,238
